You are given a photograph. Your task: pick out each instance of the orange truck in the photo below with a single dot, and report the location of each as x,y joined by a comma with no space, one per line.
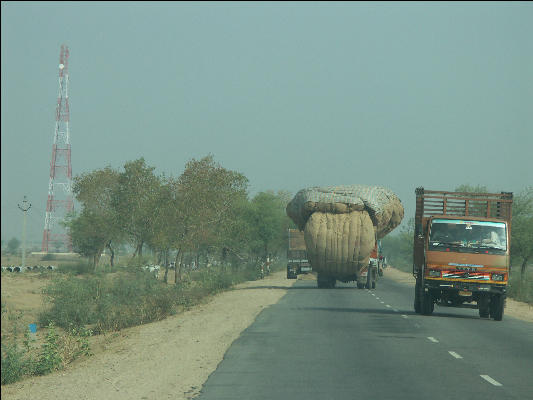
461,251
297,261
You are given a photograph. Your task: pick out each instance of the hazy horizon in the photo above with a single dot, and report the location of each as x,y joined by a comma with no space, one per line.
291,95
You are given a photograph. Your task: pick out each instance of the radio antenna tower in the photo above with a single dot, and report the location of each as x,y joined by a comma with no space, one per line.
59,202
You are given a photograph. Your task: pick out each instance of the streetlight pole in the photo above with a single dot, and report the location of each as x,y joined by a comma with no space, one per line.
24,208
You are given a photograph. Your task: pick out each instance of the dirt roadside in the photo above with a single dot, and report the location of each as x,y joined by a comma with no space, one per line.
513,308
173,358
162,360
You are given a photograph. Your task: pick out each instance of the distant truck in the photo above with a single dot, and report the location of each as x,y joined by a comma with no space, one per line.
461,251
297,261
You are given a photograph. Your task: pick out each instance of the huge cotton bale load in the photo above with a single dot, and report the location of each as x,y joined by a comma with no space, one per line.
341,224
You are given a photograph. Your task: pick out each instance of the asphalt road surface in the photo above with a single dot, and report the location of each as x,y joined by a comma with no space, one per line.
348,343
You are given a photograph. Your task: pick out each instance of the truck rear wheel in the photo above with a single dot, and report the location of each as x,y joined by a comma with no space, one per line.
360,285
497,304
325,282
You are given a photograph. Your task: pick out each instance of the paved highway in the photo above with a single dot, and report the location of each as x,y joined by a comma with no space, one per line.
346,343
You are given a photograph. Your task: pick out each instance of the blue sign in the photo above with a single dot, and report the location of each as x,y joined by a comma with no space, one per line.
33,328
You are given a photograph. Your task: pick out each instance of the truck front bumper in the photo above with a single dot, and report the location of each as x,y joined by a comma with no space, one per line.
474,287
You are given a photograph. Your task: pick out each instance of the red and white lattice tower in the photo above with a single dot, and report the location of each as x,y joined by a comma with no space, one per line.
59,203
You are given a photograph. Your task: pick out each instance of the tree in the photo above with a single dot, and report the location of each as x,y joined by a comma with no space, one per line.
88,234
13,245
522,229
472,189
134,202
96,227
269,222
206,196
99,223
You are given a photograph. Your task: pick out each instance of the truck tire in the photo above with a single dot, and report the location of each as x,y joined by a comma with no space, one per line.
427,304
497,304
332,283
417,307
374,285
484,306
360,285
325,282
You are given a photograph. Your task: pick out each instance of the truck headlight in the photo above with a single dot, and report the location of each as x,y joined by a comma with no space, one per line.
498,277
434,273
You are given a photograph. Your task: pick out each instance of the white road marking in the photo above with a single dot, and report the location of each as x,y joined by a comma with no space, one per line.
386,305
432,339
382,302
490,380
395,310
453,353
373,295
404,316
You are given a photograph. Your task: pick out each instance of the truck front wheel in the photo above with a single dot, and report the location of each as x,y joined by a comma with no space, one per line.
484,306
427,305
497,304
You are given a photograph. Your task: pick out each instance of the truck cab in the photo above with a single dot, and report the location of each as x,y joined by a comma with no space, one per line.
297,261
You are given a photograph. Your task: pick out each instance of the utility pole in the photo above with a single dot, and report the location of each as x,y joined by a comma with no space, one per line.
24,207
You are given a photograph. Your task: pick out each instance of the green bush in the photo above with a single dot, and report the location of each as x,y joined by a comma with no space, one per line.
50,358
108,302
79,268
14,362
521,288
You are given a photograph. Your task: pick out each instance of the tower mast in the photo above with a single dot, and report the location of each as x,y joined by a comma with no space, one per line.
59,202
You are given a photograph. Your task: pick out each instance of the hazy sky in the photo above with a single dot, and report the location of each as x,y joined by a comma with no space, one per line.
290,94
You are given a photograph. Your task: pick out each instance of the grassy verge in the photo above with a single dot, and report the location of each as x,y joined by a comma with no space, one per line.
79,304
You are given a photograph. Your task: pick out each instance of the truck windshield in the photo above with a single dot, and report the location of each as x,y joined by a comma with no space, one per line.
470,236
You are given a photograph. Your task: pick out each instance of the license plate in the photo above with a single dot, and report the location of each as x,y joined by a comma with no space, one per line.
305,269
465,293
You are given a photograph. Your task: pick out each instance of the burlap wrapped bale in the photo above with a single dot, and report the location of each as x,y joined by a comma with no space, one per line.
339,244
382,205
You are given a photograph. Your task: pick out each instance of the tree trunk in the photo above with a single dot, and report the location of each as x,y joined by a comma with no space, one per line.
112,258
179,267
523,268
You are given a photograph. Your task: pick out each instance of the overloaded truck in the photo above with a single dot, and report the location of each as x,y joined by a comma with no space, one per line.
461,251
297,262
341,225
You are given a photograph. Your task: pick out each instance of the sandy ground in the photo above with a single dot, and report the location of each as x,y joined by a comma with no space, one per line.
513,308
162,360
173,358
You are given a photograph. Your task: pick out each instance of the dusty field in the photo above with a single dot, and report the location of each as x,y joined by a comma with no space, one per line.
167,359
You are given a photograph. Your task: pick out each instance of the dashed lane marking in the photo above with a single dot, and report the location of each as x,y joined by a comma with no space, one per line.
453,353
386,305
432,339
382,302
490,380
404,316
395,310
